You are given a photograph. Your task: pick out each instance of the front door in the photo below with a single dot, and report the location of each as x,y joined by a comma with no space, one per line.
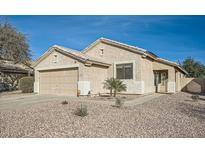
163,84
160,81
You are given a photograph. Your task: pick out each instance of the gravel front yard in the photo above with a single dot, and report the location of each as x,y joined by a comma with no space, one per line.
166,116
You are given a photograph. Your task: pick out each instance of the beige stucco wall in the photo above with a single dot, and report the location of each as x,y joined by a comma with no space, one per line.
185,81
147,75
115,55
62,60
178,81
181,80
93,75
161,66
96,75
193,85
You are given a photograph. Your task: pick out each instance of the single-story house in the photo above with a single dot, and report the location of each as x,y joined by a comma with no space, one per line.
65,71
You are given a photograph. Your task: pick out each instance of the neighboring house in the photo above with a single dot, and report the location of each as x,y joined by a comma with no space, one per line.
11,72
64,71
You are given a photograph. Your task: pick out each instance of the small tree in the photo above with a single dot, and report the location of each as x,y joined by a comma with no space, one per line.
11,80
108,84
119,86
194,68
13,44
114,84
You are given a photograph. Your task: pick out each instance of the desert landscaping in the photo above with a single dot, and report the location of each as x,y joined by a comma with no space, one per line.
175,115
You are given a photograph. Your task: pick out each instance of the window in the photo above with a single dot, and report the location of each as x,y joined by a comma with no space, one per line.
124,71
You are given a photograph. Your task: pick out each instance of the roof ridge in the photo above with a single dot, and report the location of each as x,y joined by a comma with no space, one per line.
136,47
173,63
80,54
59,46
167,61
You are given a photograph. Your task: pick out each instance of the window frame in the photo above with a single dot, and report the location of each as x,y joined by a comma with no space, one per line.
123,65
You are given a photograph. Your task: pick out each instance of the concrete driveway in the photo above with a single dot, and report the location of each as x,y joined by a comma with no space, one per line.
21,100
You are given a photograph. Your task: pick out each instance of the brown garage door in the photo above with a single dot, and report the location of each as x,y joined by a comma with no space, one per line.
60,82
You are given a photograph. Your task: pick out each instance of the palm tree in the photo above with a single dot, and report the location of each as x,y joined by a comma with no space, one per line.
119,86
114,84
108,84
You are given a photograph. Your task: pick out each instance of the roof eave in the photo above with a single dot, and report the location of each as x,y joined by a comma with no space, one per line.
171,64
183,70
112,42
83,60
70,54
41,57
122,45
99,63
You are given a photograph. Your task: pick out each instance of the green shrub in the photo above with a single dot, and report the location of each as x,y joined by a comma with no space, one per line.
195,97
26,84
118,102
64,102
81,111
115,85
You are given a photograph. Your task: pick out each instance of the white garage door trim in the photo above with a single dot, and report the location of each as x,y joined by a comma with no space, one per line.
57,67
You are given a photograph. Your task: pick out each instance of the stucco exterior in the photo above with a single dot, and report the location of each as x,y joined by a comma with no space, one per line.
92,73
87,75
147,75
180,78
47,63
96,75
193,85
171,84
115,55
175,76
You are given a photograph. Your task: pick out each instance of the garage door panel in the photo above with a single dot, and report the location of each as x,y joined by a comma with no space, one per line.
60,82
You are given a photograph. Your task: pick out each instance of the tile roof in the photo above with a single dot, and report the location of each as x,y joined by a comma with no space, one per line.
136,49
10,66
80,54
83,56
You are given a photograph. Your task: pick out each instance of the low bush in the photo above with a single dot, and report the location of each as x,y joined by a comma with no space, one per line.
81,111
195,97
26,84
64,102
118,102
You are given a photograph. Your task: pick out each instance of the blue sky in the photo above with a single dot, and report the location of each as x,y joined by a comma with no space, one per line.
170,37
